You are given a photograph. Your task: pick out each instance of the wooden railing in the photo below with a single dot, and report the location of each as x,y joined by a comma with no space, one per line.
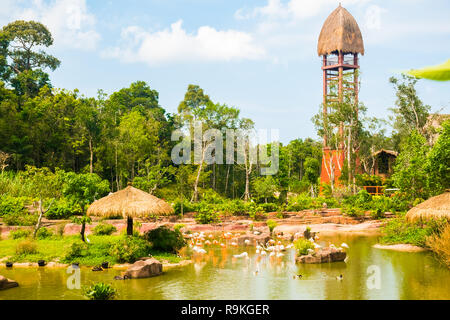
374,190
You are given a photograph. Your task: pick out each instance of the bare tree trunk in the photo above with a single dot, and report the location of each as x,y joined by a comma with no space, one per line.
91,158
199,171
226,180
41,214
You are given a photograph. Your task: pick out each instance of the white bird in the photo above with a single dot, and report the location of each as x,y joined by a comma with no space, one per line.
311,251
317,246
279,255
257,251
311,240
263,253
247,242
199,250
344,245
272,254
339,278
242,255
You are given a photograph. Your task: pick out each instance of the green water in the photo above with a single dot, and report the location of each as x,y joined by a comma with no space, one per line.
219,276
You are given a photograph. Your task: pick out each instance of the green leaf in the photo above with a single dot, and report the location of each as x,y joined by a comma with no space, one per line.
439,73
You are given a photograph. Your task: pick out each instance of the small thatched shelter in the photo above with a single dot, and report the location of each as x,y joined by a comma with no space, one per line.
129,203
340,33
434,208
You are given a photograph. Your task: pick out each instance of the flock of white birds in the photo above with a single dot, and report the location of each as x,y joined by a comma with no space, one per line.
199,242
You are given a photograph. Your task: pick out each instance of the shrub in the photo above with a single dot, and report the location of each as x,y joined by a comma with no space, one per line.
104,229
26,247
271,224
207,215
179,226
44,233
399,230
299,203
268,207
63,208
60,229
187,206
353,211
19,234
440,244
129,249
13,205
166,240
302,245
76,250
100,291
16,219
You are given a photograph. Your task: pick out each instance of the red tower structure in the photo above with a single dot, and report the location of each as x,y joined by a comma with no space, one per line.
340,42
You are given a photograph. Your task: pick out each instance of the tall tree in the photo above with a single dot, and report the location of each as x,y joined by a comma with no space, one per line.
27,61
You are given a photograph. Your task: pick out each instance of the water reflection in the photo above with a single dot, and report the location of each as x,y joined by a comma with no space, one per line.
219,275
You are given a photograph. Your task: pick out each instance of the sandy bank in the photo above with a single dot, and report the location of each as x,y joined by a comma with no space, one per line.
368,227
400,247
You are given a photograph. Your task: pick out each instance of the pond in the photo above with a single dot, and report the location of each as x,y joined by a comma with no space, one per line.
217,275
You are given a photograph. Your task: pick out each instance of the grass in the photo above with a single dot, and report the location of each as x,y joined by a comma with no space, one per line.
56,248
440,244
399,230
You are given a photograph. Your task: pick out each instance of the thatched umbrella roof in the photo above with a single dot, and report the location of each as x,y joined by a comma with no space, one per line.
434,208
340,33
129,203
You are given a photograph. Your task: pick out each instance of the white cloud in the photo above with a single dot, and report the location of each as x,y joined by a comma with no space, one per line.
293,9
69,21
373,17
176,45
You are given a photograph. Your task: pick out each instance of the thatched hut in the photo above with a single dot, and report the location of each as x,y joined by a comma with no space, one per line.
340,33
129,203
434,208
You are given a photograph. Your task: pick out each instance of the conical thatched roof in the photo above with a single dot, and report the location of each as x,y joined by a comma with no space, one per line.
340,32
434,208
129,202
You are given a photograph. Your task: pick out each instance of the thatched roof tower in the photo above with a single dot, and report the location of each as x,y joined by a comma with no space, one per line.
340,33
434,208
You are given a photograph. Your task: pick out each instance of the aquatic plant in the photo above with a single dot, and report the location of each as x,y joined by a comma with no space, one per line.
302,246
100,291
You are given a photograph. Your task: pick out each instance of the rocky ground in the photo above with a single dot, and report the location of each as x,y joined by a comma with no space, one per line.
324,221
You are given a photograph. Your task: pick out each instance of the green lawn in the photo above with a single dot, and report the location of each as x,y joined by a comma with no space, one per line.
57,247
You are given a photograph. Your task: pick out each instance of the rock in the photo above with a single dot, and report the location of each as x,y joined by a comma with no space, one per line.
7,283
144,269
323,256
97,268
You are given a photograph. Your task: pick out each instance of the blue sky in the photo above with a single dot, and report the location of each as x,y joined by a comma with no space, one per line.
260,56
